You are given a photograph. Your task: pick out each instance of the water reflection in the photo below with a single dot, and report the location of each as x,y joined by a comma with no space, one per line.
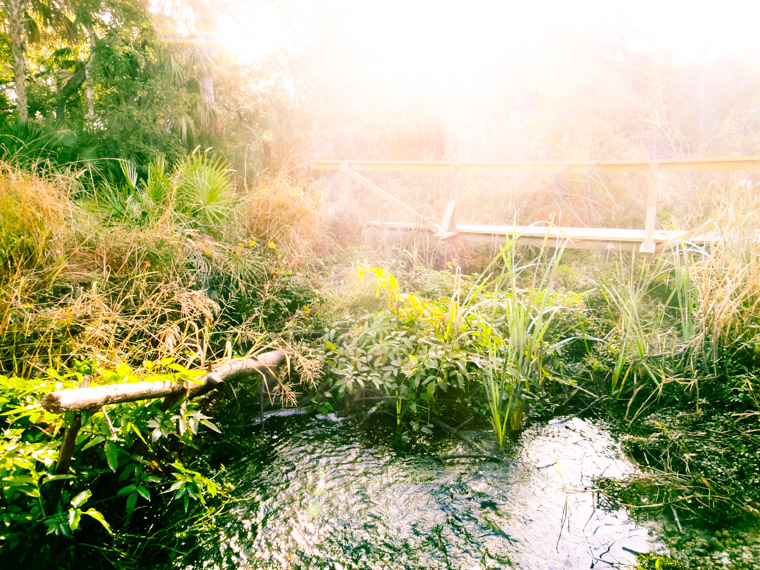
320,495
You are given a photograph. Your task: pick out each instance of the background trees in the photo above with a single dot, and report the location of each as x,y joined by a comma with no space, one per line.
128,79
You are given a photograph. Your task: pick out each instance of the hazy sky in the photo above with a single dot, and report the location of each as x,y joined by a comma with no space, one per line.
393,29
453,51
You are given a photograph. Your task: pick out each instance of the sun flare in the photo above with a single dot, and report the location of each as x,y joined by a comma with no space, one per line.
452,52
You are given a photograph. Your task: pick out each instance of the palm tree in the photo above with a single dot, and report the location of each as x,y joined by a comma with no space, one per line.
24,20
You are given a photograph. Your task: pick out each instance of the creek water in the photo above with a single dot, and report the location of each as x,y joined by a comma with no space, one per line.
319,493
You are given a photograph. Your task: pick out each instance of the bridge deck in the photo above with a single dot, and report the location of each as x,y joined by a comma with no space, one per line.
578,238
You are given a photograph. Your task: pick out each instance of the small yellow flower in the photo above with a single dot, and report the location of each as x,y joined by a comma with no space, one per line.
271,245
251,242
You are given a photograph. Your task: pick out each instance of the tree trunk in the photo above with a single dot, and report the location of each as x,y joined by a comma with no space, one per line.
89,90
206,21
94,398
15,12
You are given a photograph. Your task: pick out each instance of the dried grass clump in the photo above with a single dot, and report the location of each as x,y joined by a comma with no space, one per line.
289,214
726,276
73,287
127,314
89,287
32,215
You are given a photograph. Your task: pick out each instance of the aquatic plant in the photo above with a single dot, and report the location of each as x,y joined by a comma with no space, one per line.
512,325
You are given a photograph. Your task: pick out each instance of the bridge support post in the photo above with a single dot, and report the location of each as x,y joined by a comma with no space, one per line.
448,226
345,179
652,180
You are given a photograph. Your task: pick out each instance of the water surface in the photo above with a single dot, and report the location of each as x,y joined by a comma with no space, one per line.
317,493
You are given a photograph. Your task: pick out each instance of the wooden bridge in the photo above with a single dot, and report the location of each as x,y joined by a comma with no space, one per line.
647,239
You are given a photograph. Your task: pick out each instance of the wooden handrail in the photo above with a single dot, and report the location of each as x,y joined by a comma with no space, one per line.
448,226
560,167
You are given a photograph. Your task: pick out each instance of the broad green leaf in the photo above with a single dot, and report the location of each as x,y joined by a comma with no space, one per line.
51,478
81,498
210,425
112,455
126,490
134,428
74,516
144,493
93,442
131,502
98,516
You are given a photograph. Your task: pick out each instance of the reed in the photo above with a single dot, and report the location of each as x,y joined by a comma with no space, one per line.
513,319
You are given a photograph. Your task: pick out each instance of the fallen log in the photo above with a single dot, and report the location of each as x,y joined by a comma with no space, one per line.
78,399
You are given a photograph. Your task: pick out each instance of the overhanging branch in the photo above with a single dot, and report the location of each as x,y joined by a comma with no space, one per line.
94,398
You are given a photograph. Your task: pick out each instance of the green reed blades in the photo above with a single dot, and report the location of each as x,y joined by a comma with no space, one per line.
512,325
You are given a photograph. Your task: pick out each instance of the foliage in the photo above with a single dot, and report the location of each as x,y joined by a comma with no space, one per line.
74,285
198,192
512,328
423,352
408,352
666,346
119,243
126,456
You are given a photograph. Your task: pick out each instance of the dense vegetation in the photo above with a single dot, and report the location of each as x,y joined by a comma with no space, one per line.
155,219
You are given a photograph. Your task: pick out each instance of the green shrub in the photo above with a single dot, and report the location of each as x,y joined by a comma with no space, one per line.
127,456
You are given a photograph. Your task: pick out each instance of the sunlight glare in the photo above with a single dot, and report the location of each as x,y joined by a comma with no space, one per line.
453,51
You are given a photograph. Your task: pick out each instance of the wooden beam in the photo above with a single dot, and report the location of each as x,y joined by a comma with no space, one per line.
647,246
570,167
79,399
604,238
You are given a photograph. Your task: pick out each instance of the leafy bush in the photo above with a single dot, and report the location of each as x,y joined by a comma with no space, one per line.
126,455
408,352
422,352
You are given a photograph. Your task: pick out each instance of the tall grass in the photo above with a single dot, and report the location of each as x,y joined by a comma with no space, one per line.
514,315
78,285
627,291
681,318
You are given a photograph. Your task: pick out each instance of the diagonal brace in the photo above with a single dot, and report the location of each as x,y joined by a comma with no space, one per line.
353,175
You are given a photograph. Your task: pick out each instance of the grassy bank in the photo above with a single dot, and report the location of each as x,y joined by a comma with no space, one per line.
150,279
161,276
665,347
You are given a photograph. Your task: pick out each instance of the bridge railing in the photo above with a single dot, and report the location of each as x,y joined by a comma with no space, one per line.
447,226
